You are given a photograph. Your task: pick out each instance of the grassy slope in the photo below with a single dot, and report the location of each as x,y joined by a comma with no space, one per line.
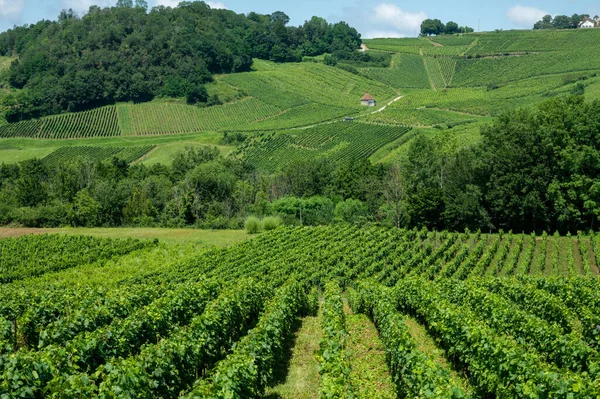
309,93
19,149
221,238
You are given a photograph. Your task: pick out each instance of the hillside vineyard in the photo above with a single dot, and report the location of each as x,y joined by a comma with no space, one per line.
515,316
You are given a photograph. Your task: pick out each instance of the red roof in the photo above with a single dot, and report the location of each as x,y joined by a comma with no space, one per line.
367,97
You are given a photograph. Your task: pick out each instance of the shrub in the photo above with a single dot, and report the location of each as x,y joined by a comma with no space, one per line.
351,211
252,225
271,223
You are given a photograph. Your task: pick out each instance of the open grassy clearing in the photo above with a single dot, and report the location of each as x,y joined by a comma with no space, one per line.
201,238
5,62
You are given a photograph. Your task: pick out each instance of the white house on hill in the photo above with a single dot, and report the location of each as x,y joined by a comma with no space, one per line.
368,100
588,23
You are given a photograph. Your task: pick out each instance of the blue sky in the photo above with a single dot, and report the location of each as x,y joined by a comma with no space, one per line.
373,18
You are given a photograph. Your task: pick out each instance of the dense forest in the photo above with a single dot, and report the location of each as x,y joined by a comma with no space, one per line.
129,53
534,170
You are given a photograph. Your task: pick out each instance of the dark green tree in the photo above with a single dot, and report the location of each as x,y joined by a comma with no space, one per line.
451,28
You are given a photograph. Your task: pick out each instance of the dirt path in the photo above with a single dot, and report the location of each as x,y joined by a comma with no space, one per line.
17,231
363,48
387,105
428,73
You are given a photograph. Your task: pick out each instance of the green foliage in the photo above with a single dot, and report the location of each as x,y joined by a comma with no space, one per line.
163,322
334,362
338,142
199,347
291,85
252,225
310,211
171,118
118,57
64,154
351,211
480,348
249,369
35,255
413,373
407,71
271,223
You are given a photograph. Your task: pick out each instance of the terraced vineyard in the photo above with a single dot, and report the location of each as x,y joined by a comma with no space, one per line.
127,154
338,142
406,71
215,324
165,118
100,122
292,85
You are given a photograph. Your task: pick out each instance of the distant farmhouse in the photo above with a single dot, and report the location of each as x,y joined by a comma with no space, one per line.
589,23
368,100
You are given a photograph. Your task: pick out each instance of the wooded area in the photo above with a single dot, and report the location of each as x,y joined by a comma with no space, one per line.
127,53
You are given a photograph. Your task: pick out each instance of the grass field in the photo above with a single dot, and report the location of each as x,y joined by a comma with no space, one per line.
203,238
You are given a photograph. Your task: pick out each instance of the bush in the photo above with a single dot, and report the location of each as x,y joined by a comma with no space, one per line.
252,225
271,223
351,211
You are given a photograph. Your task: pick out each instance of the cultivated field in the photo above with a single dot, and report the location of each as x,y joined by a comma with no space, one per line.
390,313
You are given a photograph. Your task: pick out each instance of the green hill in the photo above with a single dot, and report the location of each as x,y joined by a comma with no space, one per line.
442,82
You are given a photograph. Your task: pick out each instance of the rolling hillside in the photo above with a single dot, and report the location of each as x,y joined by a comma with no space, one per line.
439,83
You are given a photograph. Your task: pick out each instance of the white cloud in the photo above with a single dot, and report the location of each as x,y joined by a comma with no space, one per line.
525,16
390,16
11,8
382,34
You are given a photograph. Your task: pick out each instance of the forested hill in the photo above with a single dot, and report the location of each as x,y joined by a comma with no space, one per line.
127,53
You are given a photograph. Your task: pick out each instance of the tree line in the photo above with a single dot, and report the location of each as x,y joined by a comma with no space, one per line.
435,27
561,21
535,169
127,53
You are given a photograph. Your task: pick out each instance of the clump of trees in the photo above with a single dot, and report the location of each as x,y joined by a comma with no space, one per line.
560,21
127,53
534,170
435,27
